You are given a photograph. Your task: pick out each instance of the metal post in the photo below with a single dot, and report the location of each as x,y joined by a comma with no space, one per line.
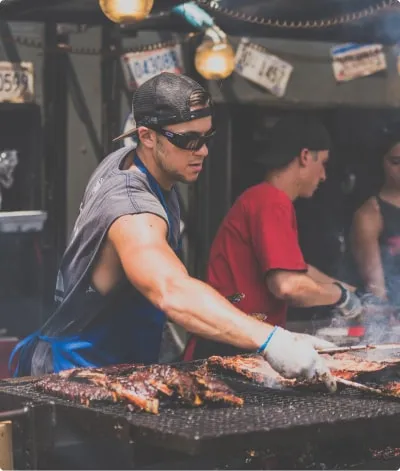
110,87
55,105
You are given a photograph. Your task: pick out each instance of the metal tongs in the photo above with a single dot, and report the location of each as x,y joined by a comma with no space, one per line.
359,386
364,388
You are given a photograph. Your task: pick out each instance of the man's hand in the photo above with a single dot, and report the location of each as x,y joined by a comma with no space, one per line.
349,305
316,342
293,356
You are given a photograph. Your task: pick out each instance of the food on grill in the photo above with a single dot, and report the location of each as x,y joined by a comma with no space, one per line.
180,382
85,394
143,389
349,366
254,368
138,393
342,365
214,389
392,389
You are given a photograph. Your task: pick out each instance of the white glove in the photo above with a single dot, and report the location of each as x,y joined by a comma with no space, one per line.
293,356
349,306
316,342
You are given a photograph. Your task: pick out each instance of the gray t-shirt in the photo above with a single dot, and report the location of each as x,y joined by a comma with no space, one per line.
110,194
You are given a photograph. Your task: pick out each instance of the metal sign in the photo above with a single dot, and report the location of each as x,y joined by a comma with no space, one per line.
254,63
139,67
16,82
351,61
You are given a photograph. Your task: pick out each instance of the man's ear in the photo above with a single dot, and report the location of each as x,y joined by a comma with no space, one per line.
147,137
304,157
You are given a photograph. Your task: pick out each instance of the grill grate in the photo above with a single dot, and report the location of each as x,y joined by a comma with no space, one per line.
268,416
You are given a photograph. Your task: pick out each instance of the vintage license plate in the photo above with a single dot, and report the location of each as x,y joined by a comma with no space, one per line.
351,61
139,67
254,63
16,82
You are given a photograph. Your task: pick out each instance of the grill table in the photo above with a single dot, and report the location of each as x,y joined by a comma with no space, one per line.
294,426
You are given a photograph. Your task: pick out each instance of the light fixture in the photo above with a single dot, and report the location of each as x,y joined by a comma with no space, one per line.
126,11
215,58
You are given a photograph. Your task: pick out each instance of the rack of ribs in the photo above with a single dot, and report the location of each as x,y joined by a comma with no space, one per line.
140,395
141,390
85,394
215,390
349,366
255,368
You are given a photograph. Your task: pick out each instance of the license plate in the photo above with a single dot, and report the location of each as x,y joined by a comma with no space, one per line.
254,63
141,66
351,61
16,82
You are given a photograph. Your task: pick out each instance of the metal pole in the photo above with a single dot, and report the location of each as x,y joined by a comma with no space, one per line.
110,86
55,105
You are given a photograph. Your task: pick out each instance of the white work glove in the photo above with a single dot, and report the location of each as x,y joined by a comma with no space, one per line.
349,306
293,356
316,342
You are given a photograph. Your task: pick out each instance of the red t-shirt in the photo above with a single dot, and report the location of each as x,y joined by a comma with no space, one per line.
259,234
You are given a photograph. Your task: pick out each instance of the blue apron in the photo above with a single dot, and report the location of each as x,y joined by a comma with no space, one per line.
138,327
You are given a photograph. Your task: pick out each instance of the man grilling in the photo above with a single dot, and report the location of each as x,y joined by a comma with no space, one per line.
120,277
256,250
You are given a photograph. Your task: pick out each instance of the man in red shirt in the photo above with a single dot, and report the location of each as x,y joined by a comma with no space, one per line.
256,250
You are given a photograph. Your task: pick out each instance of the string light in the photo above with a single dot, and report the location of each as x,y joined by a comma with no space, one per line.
126,11
215,58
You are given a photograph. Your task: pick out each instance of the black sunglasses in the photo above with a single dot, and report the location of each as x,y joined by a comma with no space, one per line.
189,140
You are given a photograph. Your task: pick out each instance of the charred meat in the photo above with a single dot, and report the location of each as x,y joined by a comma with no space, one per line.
215,390
254,367
342,365
85,394
142,389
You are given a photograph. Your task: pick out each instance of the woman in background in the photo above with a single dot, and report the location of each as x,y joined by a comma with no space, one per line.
375,232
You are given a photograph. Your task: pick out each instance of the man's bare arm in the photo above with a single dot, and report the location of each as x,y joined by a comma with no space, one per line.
365,233
299,289
320,277
154,269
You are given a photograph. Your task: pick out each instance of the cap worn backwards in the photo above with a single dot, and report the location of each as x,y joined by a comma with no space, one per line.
165,99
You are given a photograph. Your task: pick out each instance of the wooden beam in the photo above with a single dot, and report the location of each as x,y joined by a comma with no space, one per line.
6,447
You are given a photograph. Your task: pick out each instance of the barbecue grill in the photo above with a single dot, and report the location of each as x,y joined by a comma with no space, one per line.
299,428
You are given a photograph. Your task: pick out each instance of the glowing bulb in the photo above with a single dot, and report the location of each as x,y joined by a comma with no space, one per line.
126,11
215,60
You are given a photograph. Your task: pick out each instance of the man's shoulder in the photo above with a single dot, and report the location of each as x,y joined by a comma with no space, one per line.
266,195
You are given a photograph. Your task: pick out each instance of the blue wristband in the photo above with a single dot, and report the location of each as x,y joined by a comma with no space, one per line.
265,344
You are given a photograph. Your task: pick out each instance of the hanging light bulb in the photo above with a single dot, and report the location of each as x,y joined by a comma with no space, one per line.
126,11
215,58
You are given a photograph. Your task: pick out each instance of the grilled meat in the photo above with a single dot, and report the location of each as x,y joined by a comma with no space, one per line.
215,390
85,394
392,389
254,367
143,396
142,389
111,370
342,365
349,366
182,383
139,394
